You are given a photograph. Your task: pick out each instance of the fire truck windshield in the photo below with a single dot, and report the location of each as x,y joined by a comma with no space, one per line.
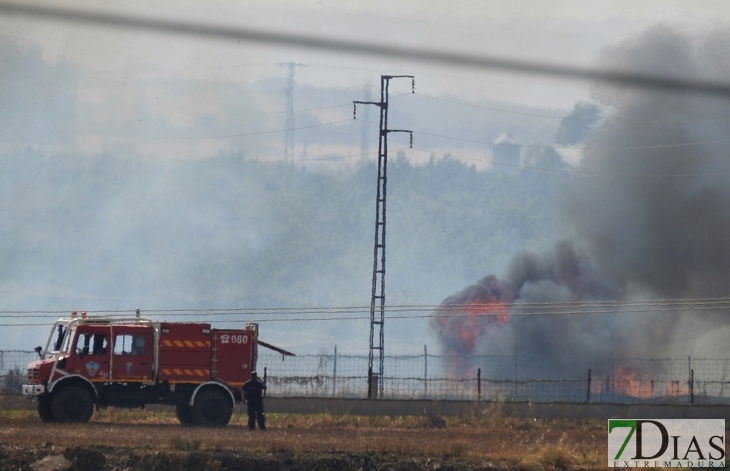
67,340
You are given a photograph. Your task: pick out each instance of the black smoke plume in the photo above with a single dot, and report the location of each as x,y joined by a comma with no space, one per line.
648,217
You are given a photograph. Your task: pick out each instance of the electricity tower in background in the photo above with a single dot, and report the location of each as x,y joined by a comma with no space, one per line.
375,370
290,124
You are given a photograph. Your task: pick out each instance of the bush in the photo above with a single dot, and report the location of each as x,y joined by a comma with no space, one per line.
12,381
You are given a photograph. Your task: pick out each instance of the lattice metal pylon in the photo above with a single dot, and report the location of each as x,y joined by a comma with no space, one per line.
377,300
290,124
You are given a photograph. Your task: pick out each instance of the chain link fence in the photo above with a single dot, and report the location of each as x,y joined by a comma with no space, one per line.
471,378
12,369
626,380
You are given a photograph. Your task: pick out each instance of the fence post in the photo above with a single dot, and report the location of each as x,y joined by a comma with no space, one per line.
514,384
264,381
691,386
479,384
588,392
334,374
689,376
425,371
370,383
613,376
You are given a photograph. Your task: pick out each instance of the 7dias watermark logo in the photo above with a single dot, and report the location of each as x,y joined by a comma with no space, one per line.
669,443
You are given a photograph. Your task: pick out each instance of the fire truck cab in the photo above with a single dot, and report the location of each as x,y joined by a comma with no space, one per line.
97,362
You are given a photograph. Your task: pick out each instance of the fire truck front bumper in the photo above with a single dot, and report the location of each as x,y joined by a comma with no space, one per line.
33,390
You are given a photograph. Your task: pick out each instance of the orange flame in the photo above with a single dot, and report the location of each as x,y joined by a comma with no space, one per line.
464,318
479,313
479,307
677,388
472,326
629,382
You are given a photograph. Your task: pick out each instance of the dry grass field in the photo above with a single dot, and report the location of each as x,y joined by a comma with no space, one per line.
121,439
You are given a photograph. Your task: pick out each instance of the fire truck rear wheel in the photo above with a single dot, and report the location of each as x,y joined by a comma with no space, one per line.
72,404
212,408
44,410
184,414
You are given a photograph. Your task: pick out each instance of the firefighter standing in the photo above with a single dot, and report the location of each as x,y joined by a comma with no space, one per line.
253,391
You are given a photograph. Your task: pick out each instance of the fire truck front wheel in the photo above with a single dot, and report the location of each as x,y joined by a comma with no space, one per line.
184,415
72,404
212,408
44,409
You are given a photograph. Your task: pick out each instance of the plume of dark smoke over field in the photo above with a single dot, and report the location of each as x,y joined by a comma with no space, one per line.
648,217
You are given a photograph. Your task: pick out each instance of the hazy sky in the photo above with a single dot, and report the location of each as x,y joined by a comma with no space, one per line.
125,79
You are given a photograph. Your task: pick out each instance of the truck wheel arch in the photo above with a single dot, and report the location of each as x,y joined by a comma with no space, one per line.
214,384
75,380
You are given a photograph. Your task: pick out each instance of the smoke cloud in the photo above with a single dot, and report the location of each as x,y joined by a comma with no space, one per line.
648,218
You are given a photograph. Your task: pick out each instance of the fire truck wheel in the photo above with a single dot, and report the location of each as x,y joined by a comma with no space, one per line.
72,404
212,408
184,414
44,410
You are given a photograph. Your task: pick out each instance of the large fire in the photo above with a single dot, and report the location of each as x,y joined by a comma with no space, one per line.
464,317
491,306
474,318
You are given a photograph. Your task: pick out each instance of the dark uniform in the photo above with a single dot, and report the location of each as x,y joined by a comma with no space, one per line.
253,391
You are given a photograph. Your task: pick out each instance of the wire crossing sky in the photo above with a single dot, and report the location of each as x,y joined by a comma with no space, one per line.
344,46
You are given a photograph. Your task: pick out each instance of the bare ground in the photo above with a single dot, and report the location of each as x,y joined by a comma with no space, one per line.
118,440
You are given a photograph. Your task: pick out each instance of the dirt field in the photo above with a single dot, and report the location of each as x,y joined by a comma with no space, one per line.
117,440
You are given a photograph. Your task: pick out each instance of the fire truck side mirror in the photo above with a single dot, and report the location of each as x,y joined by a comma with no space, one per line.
38,350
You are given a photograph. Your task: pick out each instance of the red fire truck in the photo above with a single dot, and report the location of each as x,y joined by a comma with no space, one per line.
130,362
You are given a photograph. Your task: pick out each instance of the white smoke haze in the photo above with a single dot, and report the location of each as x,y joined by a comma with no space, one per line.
104,232
648,212
170,193
142,216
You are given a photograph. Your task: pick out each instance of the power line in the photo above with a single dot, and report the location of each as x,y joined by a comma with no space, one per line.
572,118
342,157
257,133
248,112
301,41
344,105
664,303
304,110
434,315
564,147
573,170
502,110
